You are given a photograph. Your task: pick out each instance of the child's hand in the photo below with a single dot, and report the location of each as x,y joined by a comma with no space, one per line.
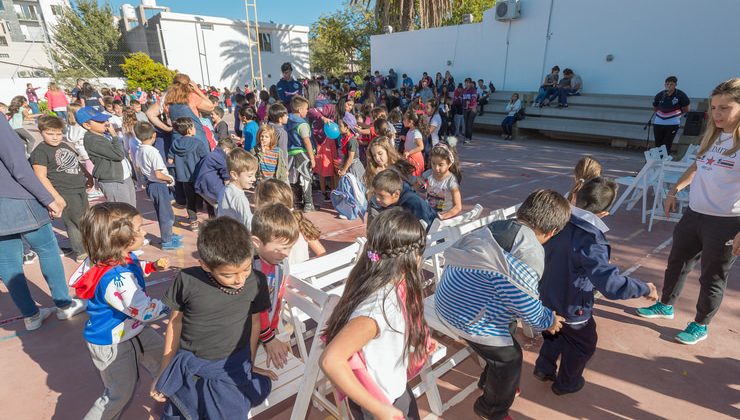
264,372
156,395
162,264
388,412
277,353
341,172
557,323
653,295
170,161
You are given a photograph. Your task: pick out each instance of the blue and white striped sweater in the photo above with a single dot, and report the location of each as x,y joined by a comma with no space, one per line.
480,303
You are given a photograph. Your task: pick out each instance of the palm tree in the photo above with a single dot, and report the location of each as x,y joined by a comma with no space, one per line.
404,15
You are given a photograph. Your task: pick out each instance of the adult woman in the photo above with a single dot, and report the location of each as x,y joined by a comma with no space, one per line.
57,100
511,109
90,97
710,229
184,99
26,205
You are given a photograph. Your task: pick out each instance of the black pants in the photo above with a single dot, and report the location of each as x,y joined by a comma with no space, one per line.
500,379
574,344
76,206
469,118
482,102
664,134
697,237
192,200
406,403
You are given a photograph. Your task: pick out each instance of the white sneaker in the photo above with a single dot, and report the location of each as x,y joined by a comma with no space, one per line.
146,242
34,322
77,306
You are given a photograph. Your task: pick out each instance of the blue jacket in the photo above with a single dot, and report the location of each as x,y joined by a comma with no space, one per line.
211,174
187,152
411,201
576,263
211,389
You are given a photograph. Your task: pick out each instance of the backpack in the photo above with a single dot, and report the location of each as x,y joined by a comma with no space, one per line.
349,198
520,115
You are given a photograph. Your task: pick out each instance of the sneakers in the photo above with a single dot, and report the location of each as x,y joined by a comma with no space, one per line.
693,333
74,308
327,197
29,257
558,391
544,377
658,310
172,244
34,322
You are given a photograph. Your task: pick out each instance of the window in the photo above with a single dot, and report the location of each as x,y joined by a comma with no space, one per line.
57,9
26,12
3,41
206,26
265,42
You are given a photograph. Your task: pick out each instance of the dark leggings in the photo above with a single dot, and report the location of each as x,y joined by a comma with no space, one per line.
192,200
469,118
406,403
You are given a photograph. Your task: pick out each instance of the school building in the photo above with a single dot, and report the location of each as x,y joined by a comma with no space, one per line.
625,47
213,51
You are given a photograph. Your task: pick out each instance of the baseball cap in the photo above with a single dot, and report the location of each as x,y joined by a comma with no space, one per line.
89,113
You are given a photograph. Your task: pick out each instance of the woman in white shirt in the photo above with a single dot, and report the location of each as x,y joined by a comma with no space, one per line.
514,105
710,228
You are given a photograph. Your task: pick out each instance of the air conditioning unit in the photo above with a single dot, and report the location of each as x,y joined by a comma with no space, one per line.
23,73
467,18
508,10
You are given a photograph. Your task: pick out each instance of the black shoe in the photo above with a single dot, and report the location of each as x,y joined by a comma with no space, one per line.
544,377
558,391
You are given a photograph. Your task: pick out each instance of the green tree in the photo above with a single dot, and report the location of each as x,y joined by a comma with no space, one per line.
142,71
340,41
465,7
87,42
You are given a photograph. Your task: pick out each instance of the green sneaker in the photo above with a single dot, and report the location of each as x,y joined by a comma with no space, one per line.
693,333
659,310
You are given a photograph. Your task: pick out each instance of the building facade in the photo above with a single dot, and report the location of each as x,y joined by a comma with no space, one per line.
214,51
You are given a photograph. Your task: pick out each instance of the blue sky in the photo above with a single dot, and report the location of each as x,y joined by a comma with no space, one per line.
296,12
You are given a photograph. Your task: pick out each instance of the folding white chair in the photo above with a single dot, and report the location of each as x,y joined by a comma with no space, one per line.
668,175
690,155
638,185
434,264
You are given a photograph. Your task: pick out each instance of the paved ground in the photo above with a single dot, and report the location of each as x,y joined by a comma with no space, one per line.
638,370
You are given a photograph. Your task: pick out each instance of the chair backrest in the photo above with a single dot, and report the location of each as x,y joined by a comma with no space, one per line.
658,153
690,155
328,270
472,214
439,241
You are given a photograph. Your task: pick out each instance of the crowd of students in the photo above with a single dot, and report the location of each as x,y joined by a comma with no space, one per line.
543,267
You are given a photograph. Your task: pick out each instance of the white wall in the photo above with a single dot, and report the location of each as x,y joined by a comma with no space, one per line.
695,40
224,60
13,87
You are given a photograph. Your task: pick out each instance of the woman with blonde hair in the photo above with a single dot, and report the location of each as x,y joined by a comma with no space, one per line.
710,229
57,100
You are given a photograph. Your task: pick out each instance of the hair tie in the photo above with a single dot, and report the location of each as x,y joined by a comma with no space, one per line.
373,256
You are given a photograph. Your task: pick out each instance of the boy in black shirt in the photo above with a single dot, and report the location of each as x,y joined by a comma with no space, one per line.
211,339
58,167
219,125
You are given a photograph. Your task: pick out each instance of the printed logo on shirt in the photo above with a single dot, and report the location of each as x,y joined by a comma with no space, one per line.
66,161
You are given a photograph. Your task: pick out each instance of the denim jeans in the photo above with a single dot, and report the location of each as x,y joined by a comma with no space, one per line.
563,94
160,195
62,115
43,241
544,93
34,107
507,124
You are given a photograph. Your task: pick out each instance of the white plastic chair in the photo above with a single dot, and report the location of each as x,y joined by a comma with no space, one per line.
434,264
690,155
638,185
668,175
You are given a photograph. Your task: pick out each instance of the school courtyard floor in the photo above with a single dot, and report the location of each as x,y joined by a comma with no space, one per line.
638,372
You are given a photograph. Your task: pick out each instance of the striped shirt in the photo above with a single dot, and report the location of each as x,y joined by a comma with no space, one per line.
668,108
269,162
480,304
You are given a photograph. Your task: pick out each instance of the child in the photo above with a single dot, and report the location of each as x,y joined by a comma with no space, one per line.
382,155
185,152
278,118
435,120
273,161
389,189
586,169
208,365
380,315
442,181
140,116
220,127
300,154
249,133
131,145
158,180
274,232
350,153
414,143
273,191
576,263
117,333
212,174
111,169
326,154
57,167
232,200
502,262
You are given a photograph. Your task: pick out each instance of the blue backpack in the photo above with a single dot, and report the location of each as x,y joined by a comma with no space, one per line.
349,198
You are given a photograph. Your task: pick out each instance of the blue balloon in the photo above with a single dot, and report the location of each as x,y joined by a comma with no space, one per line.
331,129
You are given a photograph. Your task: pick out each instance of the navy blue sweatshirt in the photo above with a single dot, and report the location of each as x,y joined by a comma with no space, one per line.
576,263
187,151
411,201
